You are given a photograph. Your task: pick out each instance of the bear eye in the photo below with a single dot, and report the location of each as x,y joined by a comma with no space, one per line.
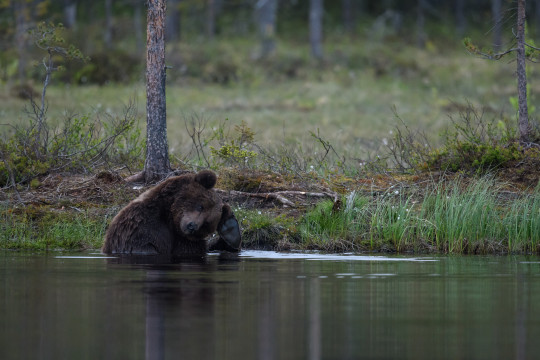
200,208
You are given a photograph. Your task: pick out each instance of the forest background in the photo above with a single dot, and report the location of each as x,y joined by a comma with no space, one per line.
256,62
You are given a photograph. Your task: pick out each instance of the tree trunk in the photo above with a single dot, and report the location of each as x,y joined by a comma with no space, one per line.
137,24
537,17
315,28
70,14
523,115
157,151
22,20
497,26
108,24
420,24
210,19
172,30
461,22
266,20
347,15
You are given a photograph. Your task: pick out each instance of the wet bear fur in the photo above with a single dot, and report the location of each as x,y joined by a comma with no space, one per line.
175,218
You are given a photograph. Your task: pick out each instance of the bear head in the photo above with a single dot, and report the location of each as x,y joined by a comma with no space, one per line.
196,209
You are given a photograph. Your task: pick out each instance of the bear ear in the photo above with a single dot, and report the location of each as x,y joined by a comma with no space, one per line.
206,178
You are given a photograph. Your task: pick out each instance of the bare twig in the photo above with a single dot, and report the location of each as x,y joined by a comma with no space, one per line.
195,130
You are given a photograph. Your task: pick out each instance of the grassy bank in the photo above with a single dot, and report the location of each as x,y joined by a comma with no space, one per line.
455,215
443,217
44,230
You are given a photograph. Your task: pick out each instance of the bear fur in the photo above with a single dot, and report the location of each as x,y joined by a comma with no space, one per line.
174,218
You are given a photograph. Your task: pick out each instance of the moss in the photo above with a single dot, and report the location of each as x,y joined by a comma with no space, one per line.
476,157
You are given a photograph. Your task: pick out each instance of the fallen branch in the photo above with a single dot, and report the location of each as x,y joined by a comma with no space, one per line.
280,196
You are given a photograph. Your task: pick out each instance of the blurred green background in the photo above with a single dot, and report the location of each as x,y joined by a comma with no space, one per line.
253,61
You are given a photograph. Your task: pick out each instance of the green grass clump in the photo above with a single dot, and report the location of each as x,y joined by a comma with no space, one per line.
331,226
463,218
391,221
450,218
34,229
261,230
522,223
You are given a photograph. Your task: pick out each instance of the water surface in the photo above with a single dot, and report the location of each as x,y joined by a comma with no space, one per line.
264,305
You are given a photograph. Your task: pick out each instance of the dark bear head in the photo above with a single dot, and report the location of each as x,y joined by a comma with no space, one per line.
196,210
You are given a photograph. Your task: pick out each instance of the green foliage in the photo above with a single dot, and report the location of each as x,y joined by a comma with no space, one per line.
48,37
235,150
476,144
482,158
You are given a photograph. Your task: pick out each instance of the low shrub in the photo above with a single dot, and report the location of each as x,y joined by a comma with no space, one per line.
79,144
473,144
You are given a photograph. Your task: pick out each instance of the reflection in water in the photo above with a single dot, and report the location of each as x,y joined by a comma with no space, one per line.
268,308
267,325
522,309
314,320
155,331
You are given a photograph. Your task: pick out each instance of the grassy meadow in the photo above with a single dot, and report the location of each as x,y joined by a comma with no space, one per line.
352,98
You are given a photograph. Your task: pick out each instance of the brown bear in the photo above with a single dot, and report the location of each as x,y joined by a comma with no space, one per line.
175,218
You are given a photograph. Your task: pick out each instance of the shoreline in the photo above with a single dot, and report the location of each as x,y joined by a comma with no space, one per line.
409,214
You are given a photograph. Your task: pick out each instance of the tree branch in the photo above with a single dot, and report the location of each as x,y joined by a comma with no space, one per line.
496,56
279,195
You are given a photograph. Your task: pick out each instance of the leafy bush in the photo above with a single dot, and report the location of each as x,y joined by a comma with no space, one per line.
236,150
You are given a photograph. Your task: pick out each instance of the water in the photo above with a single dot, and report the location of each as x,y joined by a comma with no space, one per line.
264,305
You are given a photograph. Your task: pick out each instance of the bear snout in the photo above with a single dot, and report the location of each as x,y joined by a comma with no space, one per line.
191,224
191,227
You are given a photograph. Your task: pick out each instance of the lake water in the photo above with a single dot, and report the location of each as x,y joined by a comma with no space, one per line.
263,305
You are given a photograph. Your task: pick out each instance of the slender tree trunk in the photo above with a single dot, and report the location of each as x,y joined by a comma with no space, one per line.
108,24
347,15
461,22
22,19
496,6
537,17
523,113
157,150
137,24
420,24
70,14
172,30
315,28
266,19
210,19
